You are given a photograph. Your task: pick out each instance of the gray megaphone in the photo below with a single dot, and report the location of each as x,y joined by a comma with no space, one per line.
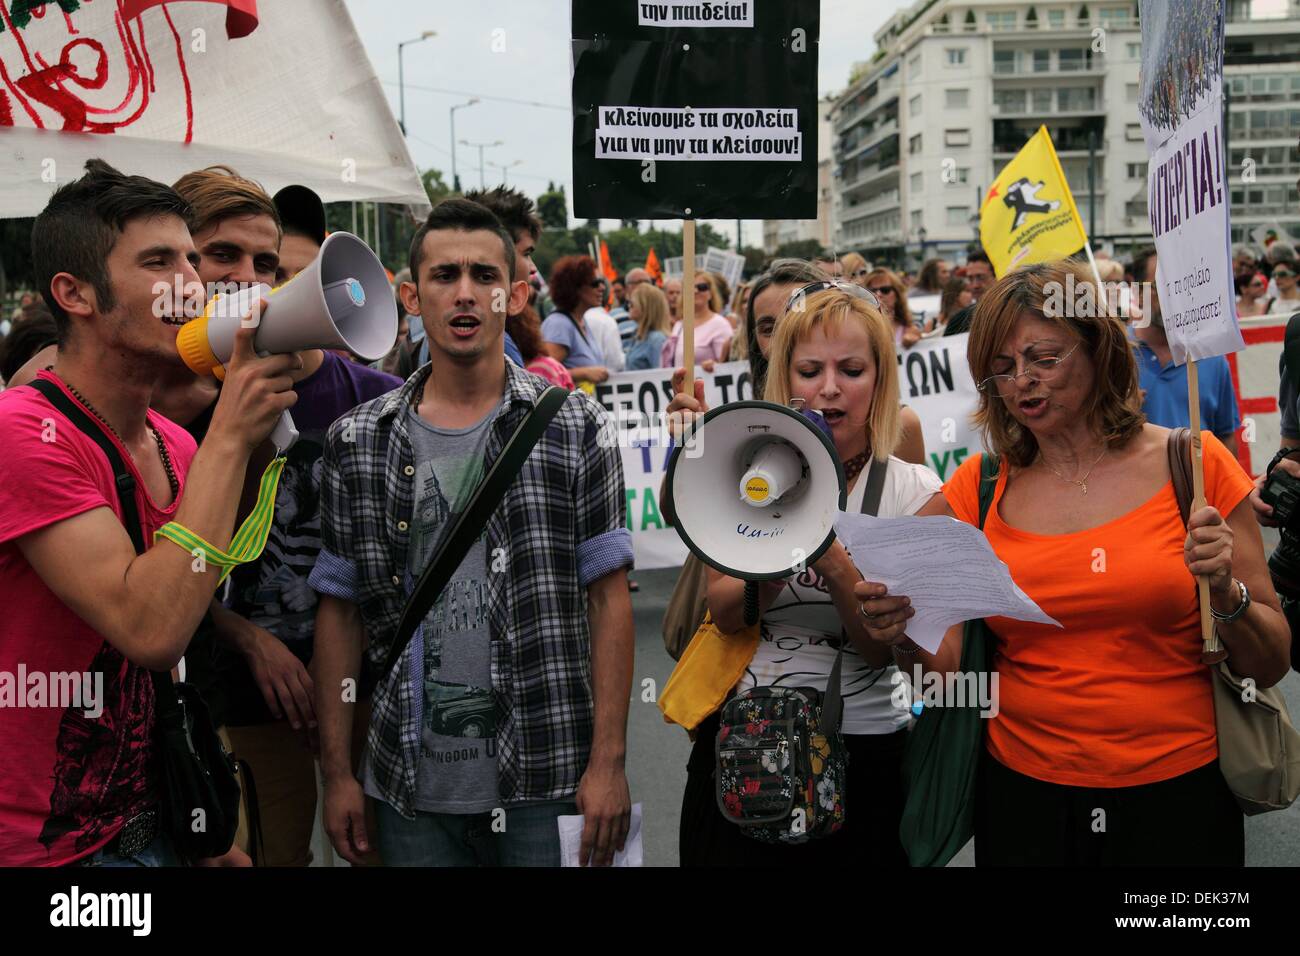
757,488
342,300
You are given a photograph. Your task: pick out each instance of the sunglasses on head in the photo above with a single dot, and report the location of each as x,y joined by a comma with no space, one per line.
840,285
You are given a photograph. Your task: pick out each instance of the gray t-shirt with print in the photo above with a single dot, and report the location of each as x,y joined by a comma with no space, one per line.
458,769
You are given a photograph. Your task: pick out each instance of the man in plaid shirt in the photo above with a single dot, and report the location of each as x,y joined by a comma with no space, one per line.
508,707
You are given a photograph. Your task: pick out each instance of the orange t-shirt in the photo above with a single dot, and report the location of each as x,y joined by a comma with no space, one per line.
1118,695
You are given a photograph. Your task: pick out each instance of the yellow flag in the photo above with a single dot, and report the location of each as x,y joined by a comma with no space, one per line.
1029,214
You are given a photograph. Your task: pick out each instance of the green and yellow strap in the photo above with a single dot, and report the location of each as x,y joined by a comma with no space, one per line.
249,540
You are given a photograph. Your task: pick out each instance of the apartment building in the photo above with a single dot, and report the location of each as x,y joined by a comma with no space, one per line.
778,232
956,87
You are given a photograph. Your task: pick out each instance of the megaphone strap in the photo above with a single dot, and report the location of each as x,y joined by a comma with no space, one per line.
249,540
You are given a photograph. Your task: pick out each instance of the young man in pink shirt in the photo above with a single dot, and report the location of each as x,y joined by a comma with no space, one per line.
82,611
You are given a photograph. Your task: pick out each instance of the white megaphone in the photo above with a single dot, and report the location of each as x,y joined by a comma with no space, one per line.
341,301
757,488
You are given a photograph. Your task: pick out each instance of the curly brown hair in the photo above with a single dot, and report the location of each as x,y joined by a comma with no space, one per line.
567,280
1114,411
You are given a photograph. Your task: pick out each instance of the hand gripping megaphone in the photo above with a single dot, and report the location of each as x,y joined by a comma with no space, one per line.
341,301
757,488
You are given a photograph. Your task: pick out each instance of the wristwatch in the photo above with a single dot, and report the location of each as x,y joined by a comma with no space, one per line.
1241,608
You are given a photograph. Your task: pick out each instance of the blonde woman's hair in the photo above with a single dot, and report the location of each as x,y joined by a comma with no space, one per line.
715,293
852,263
902,311
830,310
1114,408
654,310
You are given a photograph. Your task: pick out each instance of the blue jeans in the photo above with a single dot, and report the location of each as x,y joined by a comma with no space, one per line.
160,852
531,836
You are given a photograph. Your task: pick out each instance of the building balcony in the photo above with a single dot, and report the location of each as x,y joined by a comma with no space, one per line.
1026,71
1027,109
886,95
1241,11
849,212
870,140
870,176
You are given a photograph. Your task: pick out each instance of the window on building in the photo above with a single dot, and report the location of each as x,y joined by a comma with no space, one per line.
1135,51
1042,61
1077,98
917,182
917,219
1113,18
914,105
1131,92
1008,101
962,174
1133,132
956,99
956,137
958,215
1071,61
1000,22
956,56
1042,101
1004,61
914,145
914,67
1056,19
1137,170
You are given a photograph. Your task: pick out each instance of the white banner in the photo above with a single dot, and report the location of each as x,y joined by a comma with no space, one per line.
160,89
1180,103
933,380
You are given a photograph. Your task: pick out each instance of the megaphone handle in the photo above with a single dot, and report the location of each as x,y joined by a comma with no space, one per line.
751,602
285,433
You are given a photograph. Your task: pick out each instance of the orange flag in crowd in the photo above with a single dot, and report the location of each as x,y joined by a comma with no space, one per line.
652,266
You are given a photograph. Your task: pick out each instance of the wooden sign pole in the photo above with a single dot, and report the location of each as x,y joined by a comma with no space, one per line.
1211,648
688,304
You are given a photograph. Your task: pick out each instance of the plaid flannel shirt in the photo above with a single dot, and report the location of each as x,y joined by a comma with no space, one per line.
560,527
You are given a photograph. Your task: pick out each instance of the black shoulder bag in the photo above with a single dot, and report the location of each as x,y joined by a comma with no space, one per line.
199,789
473,518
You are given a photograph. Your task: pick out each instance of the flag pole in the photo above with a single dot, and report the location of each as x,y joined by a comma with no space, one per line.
688,304
1211,648
1093,262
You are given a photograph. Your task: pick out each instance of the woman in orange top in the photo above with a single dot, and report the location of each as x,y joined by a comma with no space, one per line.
1103,749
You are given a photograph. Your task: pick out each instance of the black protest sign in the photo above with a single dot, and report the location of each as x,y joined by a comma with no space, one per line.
694,19
722,125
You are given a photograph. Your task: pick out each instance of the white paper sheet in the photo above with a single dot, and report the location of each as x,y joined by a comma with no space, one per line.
945,566
571,841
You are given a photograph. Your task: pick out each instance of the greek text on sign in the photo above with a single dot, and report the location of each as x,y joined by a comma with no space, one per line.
696,13
626,132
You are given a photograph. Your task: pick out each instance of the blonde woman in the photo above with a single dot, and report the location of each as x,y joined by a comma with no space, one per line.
856,269
712,331
837,355
648,308
888,288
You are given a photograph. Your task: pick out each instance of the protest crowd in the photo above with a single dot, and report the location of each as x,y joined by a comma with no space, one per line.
411,626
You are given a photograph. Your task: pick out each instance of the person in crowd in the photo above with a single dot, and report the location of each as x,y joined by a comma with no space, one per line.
650,309
627,328
712,331
829,263
513,693
836,353
1083,476
605,333
621,314
1254,299
673,292
978,273
28,339
956,297
855,268
1244,268
1110,271
575,289
739,350
1274,253
888,288
81,782
526,329
722,292
1285,273
1163,384
302,219
934,277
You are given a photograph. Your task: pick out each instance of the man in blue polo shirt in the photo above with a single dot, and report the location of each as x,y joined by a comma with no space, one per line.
1164,384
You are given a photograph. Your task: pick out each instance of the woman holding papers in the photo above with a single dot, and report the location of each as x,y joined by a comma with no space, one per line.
1104,749
835,353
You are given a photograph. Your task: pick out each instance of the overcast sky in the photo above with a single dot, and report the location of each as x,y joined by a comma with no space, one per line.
534,68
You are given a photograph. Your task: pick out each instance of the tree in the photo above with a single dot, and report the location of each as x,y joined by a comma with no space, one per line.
755,260
799,249
434,185
553,208
16,256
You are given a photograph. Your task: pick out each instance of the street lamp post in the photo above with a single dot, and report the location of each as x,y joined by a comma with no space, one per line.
455,178
401,77
922,235
482,180
504,169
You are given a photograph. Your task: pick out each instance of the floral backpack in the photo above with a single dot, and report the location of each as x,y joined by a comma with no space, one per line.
781,762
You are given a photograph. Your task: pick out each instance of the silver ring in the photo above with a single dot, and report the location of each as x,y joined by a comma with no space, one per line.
862,609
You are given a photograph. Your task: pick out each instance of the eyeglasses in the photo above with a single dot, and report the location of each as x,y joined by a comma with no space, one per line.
1043,368
826,284
702,287
598,283
881,290
861,273
1283,274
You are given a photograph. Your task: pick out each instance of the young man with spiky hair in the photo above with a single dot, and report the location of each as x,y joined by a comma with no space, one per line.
81,787
508,708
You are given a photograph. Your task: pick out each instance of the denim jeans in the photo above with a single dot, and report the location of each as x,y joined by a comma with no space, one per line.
531,836
160,852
